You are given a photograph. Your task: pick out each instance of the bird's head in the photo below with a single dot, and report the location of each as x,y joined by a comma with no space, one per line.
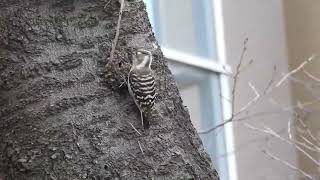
142,59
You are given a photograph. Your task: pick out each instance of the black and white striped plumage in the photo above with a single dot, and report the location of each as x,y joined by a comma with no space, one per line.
141,83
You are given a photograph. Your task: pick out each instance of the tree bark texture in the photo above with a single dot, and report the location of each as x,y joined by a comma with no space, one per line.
62,112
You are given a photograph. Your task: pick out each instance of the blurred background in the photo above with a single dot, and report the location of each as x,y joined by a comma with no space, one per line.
271,96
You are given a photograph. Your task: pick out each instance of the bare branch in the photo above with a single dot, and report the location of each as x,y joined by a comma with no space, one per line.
256,98
258,114
269,131
245,66
106,5
306,85
310,75
268,87
233,91
311,146
140,147
308,131
289,130
239,147
285,77
115,40
266,91
135,129
286,163
236,76
316,148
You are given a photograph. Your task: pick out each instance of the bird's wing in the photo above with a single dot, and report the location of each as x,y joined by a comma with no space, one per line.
142,89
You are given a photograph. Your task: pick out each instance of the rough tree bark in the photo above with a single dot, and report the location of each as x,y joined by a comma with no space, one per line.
62,114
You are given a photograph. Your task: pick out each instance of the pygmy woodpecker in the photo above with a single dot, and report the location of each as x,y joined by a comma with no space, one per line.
141,83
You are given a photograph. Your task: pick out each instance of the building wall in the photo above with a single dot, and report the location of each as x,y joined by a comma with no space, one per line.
262,22
303,39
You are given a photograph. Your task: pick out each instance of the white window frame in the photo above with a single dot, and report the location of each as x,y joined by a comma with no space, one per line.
225,89
221,67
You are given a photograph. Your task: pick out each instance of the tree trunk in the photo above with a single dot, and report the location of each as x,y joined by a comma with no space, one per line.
62,114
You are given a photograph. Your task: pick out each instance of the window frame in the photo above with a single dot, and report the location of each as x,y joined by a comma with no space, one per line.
225,89
212,66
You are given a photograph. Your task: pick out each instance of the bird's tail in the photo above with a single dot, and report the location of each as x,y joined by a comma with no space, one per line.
151,114
146,122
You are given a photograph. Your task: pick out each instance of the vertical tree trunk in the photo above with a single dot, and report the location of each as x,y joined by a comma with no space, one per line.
62,115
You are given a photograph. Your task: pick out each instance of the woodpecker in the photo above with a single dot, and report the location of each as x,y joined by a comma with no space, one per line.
141,83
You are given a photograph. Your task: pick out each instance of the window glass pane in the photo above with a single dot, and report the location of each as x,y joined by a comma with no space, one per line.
176,25
200,91
184,25
191,97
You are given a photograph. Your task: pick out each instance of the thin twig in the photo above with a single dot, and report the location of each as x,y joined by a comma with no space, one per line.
311,146
289,129
245,66
236,76
308,131
105,6
115,40
233,91
314,146
256,115
225,98
140,147
285,77
294,144
122,83
266,91
310,75
306,85
287,164
73,131
268,87
256,98
215,127
135,129
240,147
269,131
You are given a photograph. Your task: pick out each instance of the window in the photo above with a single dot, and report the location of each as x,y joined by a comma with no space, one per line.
187,31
